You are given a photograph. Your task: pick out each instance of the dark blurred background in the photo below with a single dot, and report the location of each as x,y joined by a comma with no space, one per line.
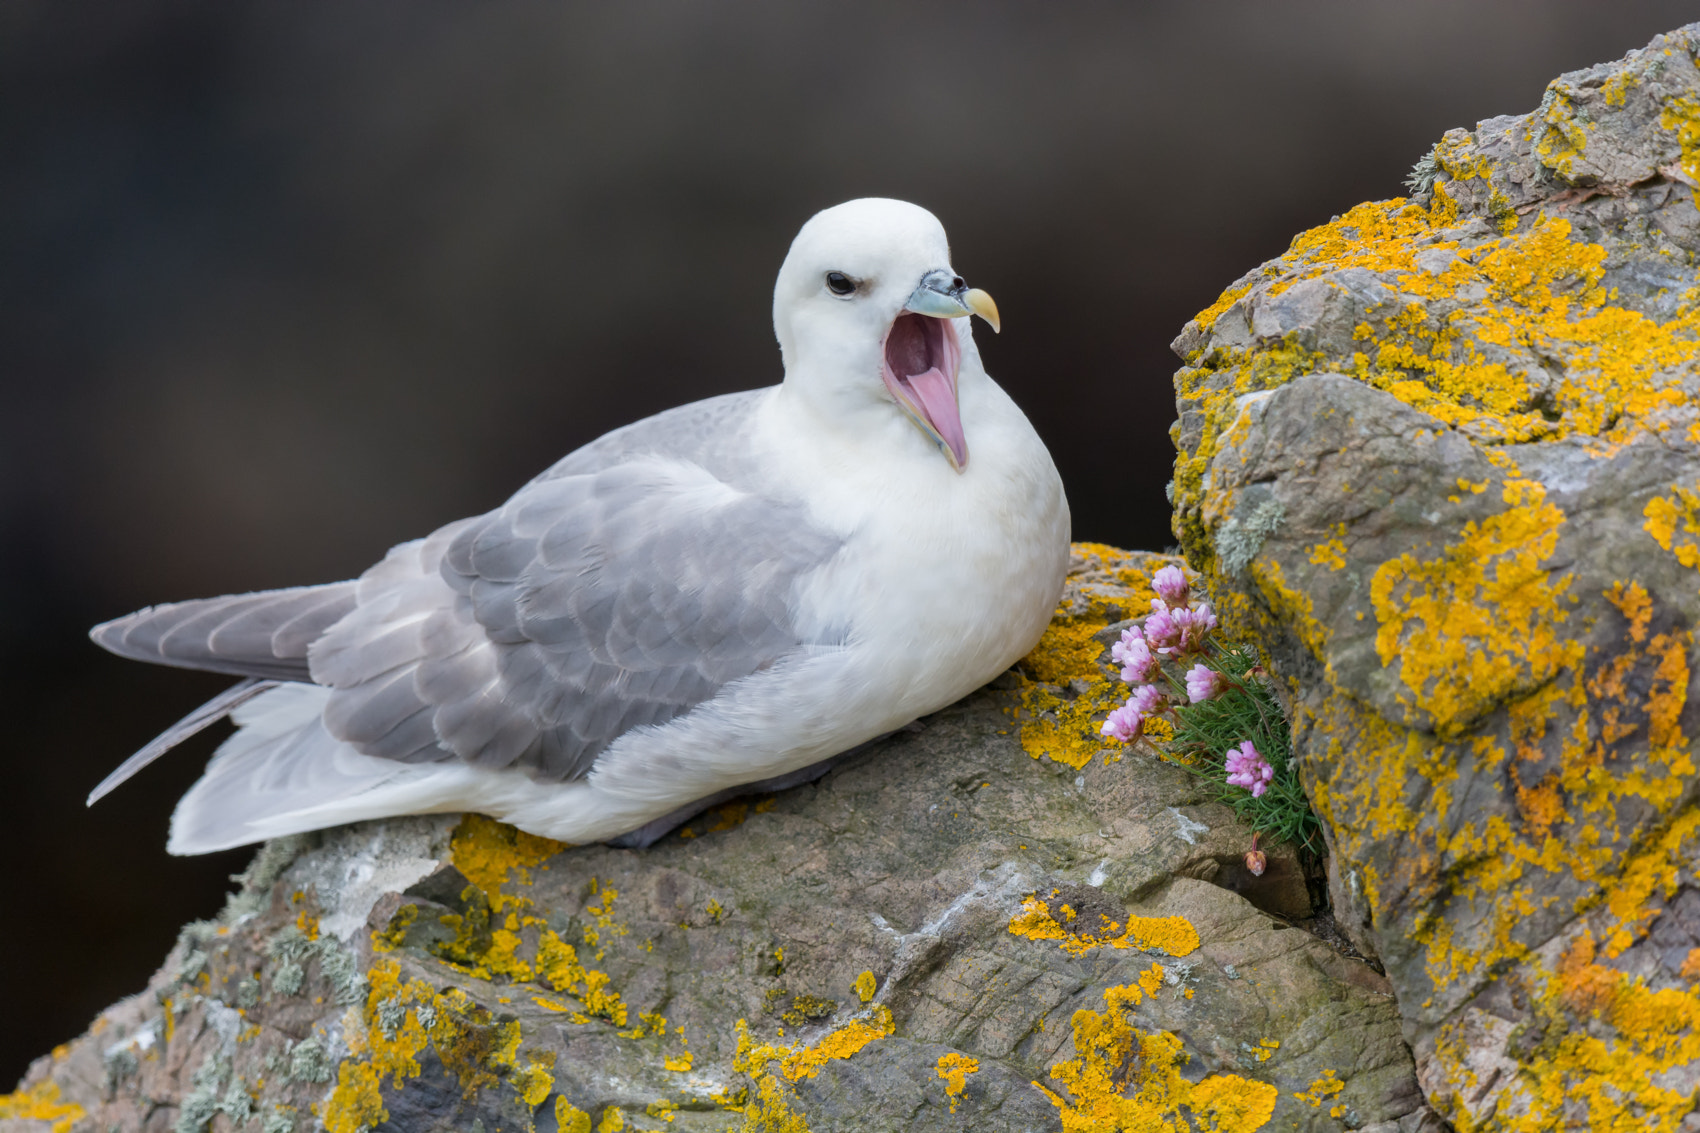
282,285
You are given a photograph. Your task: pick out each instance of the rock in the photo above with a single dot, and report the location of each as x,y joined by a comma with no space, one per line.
1442,458
989,922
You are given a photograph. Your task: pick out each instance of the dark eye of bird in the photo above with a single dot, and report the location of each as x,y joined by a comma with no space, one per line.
840,283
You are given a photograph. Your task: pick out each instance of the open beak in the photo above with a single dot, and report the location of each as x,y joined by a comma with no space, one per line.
922,356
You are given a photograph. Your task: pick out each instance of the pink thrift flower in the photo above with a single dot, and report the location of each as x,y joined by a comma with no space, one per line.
1161,633
1247,768
1124,724
1148,700
1202,683
1192,627
1134,656
1170,585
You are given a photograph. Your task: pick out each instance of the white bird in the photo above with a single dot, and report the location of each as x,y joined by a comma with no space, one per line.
722,595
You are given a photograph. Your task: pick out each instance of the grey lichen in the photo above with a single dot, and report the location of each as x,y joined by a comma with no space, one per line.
1241,537
288,978
1424,173
426,1014
262,873
209,1096
279,1120
248,993
292,950
120,1063
308,1062
391,1015
236,1103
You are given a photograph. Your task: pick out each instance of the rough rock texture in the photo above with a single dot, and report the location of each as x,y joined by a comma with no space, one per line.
1443,459
987,923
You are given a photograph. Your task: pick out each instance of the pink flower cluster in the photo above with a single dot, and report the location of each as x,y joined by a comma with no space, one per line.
1175,629
1247,768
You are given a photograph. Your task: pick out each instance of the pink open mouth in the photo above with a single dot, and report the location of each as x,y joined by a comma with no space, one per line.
921,360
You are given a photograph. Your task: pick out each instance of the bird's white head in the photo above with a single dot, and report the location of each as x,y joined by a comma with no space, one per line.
864,311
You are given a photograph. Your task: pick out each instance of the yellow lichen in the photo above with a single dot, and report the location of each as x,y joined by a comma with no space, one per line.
473,1046
41,1102
1322,1090
1123,1079
1506,672
1480,622
1055,722
771,1067
1682,114
569,1118
864,986
954,1068
489,853
1611,1074
1172,935
1665,513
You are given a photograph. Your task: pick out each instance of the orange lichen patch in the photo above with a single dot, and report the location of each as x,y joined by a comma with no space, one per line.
1610,1073
1615,724
569,1118
1066,650
1477,362
479,1050
1330,553
1664,514
1207,317
1293,607
1653,869
1322,1090
1123,1079
1683,115
489,853
1479,623
559,967
1174,936
1063,728
1069,731
771,1067
41,1102
392,935
954,1068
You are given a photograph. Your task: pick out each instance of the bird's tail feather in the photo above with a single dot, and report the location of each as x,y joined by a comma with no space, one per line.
265,634
201,718
282,773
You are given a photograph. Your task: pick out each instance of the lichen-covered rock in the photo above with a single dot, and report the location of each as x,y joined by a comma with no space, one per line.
1443,459
990,922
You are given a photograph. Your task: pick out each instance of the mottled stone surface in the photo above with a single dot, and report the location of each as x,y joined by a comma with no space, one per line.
1442,458
954,931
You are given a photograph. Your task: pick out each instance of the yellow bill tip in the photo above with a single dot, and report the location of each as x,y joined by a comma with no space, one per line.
981,304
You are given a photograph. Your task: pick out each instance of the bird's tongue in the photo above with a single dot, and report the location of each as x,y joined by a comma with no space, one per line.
938,402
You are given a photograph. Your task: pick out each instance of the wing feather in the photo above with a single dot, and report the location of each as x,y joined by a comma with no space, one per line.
253,635
609,594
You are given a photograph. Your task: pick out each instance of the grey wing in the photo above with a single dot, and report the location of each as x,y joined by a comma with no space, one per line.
265,634
593,602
